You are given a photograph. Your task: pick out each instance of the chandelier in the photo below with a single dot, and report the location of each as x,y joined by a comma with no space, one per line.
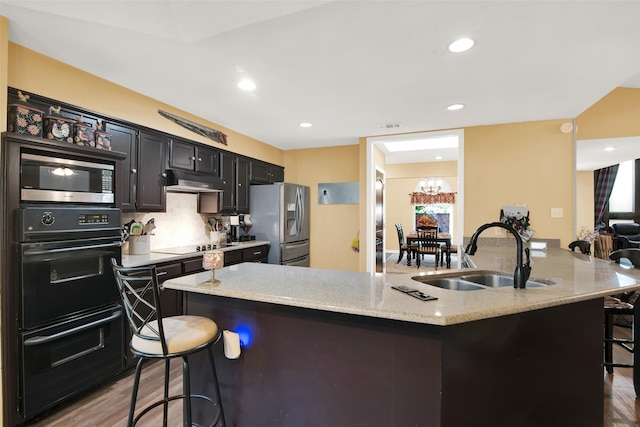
431,186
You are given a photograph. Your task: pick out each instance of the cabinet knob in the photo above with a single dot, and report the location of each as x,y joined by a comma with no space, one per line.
164,175
193,157
134,170
199,159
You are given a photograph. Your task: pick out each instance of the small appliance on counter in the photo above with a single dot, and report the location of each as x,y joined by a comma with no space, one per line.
245,224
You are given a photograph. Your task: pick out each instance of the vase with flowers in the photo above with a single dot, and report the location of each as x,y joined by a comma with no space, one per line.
520,223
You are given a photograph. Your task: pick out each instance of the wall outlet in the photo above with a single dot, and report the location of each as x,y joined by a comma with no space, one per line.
557,213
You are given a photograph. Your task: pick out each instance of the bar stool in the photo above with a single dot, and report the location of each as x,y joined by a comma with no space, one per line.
622,305
164,338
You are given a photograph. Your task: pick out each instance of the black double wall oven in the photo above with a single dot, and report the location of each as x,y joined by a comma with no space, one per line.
68,319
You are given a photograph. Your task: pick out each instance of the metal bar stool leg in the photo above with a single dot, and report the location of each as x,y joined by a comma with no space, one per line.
165,415
635,333
608,344
186,390
220,416
134,392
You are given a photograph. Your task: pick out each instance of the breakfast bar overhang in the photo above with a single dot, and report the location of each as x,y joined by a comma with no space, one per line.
325,347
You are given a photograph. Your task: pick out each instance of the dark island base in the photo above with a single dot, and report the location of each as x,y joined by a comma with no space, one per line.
310,368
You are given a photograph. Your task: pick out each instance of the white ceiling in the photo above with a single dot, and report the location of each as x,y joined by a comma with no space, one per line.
345,66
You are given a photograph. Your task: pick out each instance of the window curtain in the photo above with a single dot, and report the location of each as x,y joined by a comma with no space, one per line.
419,198
604,180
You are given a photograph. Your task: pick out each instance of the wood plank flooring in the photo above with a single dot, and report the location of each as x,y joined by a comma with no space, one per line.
108,406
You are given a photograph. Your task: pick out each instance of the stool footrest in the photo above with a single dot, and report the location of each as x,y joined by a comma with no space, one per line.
177,397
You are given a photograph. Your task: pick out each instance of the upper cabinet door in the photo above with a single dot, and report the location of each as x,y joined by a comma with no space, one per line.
207,160
124,139
181,155
228,175
242,188
151,191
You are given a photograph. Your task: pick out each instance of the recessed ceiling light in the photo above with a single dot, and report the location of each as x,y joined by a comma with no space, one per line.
438,157
609,148
461,45
305,125
246,85
454,107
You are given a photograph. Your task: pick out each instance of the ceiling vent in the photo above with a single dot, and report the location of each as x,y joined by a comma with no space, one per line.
388,126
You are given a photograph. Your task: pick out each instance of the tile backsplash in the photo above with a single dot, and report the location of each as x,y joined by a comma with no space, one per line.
180,225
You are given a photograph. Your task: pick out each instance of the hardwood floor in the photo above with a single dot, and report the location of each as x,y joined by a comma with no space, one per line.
621,408
109,405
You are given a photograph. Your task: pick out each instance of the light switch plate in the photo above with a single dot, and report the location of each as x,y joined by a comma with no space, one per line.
557,213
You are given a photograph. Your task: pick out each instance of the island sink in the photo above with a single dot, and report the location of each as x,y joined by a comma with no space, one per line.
475,281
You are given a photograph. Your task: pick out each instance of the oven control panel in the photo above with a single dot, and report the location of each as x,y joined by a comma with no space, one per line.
52,222
93,219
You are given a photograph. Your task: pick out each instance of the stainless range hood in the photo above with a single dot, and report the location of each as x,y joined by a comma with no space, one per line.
191,182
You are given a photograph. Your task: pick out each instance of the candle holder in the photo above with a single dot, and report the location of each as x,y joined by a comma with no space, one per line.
212,261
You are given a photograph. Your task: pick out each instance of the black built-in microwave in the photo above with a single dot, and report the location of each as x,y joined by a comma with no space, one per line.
48,178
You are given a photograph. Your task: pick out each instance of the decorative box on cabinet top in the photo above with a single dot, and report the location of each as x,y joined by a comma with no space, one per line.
103,140
57,127
83,134
25,119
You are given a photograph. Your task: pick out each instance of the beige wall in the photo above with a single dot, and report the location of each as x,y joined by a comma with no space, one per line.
529,163
32,72
584,200
616,115
333,227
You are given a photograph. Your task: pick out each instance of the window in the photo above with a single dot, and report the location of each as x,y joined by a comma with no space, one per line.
623,200
439,214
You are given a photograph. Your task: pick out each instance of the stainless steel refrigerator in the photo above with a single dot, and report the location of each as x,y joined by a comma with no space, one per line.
280,214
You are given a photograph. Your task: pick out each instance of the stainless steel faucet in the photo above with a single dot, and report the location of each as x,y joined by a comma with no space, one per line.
522,271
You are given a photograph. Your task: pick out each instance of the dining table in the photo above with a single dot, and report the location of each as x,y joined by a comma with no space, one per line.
412,239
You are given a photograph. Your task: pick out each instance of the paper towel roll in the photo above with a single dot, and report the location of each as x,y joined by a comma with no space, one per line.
231,344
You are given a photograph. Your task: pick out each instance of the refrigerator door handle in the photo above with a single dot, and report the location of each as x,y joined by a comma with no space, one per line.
301,212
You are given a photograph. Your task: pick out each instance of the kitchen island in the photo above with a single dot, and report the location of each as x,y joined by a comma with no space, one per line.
325,347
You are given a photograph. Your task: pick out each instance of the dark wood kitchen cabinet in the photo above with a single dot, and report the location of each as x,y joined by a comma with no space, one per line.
252,254
151,194
142,179
265,173
242,185
234,172
125,140
192,157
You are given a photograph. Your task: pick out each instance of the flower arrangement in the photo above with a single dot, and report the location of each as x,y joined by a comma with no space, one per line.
588,234
519,222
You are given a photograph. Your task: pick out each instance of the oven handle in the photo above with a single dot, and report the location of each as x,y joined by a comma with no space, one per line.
48,338
75,248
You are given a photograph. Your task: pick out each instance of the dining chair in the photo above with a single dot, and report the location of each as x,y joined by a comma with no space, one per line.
427,244
622,305
401,243
164,338
583,245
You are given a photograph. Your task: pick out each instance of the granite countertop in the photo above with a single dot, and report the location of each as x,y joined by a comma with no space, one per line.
157,257
577,277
